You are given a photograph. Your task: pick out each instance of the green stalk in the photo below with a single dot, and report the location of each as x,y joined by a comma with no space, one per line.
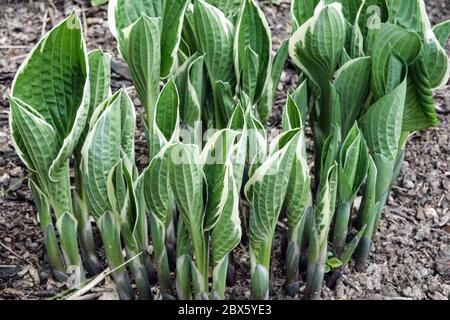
316,268
219,279
60,200
260,276
50,240
85,233
110,233
200,266
296,246
341,227
139,271
158,231
183,263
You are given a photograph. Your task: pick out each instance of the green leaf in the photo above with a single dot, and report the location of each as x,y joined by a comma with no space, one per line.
141,49
316,46
34,138
123,13
172,24
111,138
54,82
442,32
298,196
412,15
382,124
351,248
334,263
215,37
186,181
99,78
353,84
326,203
266,190
67,229
387,40
279,61
110,233
166,115
253,32
228,7
302,11
217,166
353,165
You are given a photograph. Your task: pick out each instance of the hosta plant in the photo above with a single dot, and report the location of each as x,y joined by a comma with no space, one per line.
49,110
370,68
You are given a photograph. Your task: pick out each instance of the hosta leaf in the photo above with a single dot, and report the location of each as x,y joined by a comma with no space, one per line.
228,7
391,38
215,36
266,190
350,9
34,138
166,115
250,68
382,124
371,14
298,195
352,84
419,112
329,154
123,13
301,97
110,139
141,49
279,61
195,96
412,15
224,100
353,164
302,11
172,24
253,32
442,32
54,82
99,78
186,181
316,46
291,118
326,202
67,228
227,232
110,232
158,195
217,166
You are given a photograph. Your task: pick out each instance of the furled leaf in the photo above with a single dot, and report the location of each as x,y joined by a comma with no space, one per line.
215,37
253,46
53,81
141,49
266,190
110,139
352,84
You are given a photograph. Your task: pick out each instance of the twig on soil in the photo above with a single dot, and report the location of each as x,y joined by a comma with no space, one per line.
44,23
12,252
9,47
98,279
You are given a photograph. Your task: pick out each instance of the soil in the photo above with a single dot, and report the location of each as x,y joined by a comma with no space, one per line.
411,257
